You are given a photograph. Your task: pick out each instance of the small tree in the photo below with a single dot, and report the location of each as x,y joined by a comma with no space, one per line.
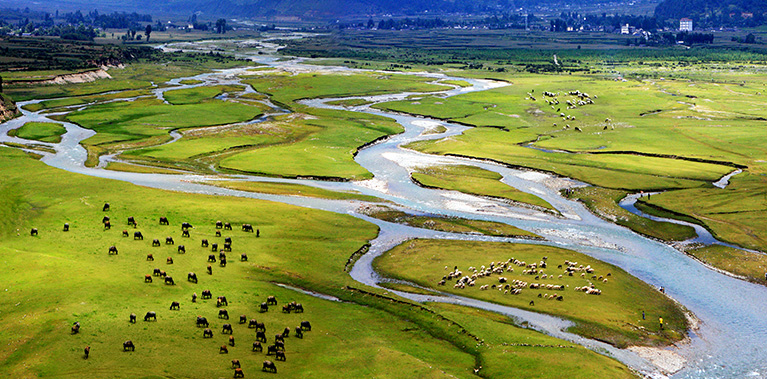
750,38
221,26
148,31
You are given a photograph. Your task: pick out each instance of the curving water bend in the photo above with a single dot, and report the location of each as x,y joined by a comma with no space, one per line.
733,328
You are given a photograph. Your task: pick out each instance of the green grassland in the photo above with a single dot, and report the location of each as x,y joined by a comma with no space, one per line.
752,266
293,189
297,246
476,181
613,316
198,94
448,224
40,131
735,214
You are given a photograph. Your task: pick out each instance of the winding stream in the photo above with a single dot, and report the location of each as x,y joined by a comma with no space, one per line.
734,326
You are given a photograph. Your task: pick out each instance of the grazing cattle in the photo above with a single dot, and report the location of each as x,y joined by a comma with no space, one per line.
264,308
261,326
214,247
269,366
219,224
181,249
202,321
210,270
228,240
206,294
298,308
252,323
157,272
271,300
280,345
185,233
107,225
286,309
66,227
87,351
164,221
129,345
244,257
243,319
106,207
261,336
163,274
238,373
223,350
207,333
186,225
236,363
131,221
150,257
105,219
299,332
169,241
76,327
305,325
169,281
138,236
175,305
258,233
279,337
218,233
132,319
150,315
112,250
231,341
147,278
194,297
212,257
257,346
222,255
223,313
227,246
155,242
280,356
247,228
227,226
222,262
192,277
125,233
286,332
271,350
221,301
204,243
169,260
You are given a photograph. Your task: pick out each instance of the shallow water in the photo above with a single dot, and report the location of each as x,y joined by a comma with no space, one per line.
733,328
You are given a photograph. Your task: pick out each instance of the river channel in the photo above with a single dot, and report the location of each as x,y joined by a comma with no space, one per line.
733,313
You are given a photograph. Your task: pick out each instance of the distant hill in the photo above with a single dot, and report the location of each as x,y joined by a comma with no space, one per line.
714,12
306,9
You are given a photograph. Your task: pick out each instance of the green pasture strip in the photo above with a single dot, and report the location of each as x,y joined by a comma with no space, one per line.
292,189
288,89
450,224
476,181
534,355
198,94
40,131
753,266
734,214
604,203
614,316
144,118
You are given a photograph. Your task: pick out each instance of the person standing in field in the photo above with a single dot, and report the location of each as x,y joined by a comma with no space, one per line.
660,320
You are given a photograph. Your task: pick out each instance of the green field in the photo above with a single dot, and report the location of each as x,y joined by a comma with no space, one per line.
297,246
613,316
475,181
40,131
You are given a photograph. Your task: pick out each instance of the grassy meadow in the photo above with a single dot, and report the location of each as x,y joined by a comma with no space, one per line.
40,131
613,316
56,278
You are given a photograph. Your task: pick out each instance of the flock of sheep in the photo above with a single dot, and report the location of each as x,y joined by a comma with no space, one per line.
579,99
516,286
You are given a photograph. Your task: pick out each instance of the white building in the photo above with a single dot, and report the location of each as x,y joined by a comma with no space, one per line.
625,29
685,25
